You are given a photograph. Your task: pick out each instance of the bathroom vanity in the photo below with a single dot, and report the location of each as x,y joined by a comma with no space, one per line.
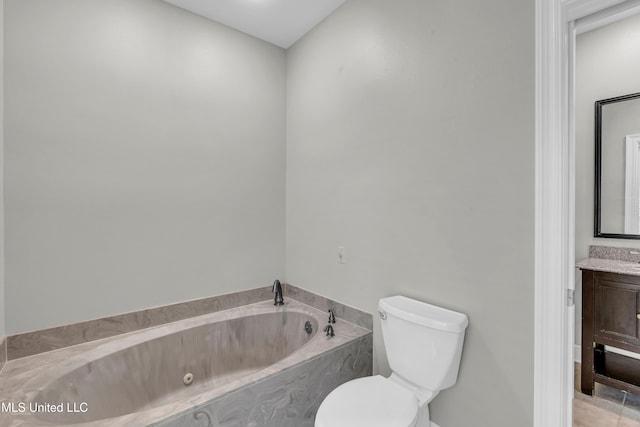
610,317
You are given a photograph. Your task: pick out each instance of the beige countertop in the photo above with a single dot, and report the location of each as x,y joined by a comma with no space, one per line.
610,266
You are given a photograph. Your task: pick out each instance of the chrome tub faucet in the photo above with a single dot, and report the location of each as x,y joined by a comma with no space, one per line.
329,328
277,289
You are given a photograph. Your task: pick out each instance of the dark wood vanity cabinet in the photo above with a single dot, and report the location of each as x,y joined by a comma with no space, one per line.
610,316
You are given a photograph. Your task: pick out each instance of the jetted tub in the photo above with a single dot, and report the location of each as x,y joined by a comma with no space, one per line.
255,365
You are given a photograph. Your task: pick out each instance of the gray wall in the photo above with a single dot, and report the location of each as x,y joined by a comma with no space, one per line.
607,65
145,159
145,164
410,142
2,305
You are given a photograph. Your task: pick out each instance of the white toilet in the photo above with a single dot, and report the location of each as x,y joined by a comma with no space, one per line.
424,345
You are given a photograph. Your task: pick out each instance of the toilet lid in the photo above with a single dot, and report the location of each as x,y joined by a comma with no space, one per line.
368,402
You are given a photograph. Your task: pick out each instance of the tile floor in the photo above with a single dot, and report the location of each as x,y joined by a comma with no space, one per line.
605,408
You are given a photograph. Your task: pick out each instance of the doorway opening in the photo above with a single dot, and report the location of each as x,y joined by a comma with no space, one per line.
555,201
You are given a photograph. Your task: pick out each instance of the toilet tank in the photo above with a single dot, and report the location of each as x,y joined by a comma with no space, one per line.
423,342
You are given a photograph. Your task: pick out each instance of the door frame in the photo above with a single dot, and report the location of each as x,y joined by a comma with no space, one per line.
555,206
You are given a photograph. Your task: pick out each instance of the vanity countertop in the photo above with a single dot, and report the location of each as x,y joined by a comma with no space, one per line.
610,265
612,260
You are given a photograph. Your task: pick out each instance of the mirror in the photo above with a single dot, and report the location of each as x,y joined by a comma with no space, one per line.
617,168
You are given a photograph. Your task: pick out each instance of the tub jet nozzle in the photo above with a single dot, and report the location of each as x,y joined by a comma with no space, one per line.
187,379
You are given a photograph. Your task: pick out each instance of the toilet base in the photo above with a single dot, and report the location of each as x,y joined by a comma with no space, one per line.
424,421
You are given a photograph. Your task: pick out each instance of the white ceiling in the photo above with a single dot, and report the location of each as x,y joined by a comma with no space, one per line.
281,22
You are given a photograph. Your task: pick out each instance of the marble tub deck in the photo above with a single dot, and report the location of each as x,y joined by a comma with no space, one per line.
21,379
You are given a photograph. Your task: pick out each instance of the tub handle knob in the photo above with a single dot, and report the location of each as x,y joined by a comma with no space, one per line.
383,314
329,330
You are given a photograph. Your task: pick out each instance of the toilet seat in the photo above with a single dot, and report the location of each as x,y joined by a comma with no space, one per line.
369,402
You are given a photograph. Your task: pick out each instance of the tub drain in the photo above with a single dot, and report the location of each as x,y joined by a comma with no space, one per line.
187,379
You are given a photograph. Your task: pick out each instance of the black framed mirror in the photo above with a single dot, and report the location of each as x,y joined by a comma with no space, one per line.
617,167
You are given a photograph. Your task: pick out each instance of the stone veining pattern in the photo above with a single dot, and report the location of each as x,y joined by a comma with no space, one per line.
3,353
303,368
30,343
350,314
288,399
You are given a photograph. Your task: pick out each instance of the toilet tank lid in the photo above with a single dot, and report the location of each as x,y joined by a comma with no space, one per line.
424,314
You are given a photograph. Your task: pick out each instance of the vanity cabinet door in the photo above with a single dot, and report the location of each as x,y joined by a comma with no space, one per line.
616,311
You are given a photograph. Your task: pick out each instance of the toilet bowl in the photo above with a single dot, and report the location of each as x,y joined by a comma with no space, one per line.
424,346
370,401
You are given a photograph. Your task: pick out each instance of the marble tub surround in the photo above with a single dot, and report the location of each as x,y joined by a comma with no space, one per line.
3,352
36,377
341,311
290,399
35,342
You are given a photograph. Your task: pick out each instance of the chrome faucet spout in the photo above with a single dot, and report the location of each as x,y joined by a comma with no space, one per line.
277,289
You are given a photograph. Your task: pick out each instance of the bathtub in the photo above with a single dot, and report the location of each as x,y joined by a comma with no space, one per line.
256,365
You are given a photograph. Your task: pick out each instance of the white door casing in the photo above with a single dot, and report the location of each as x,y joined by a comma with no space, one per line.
555,205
